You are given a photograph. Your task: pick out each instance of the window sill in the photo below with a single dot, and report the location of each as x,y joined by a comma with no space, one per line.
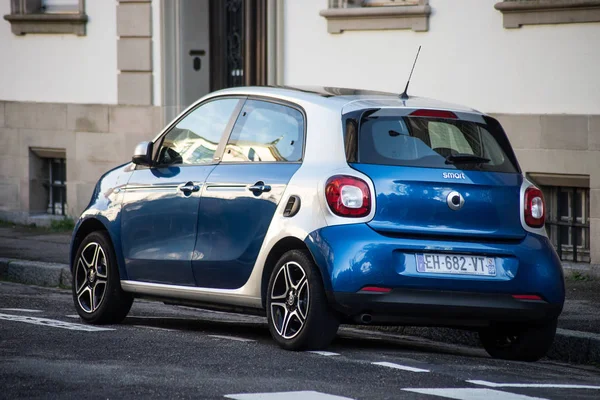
47,23
537,12
377,18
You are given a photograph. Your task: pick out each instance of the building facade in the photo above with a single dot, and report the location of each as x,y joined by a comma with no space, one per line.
82,81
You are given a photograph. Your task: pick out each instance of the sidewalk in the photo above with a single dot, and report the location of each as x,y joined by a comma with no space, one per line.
578,339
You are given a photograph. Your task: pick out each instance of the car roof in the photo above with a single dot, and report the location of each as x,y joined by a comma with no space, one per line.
343,99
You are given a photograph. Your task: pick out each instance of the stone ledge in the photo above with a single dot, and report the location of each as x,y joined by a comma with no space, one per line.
47,23
537,12
377,18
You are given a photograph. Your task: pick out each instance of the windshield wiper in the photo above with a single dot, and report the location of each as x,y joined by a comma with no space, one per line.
466,159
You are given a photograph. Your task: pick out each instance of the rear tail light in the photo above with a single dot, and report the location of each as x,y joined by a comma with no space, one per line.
535,208
434,114
348,196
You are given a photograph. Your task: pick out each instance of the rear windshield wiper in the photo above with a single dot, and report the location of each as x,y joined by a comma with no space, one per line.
466,159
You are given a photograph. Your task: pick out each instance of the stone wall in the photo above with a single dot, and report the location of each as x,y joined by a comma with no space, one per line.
95,138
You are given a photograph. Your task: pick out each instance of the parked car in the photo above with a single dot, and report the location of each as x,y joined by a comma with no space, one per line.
321,206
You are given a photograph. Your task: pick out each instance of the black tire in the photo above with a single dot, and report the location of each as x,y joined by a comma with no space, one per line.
321,322
97,292
524,343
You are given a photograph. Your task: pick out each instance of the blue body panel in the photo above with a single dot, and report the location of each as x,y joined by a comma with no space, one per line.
353,256
233,221
413,200
159,223
105,207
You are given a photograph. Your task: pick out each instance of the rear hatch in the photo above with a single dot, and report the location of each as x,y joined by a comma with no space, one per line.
437,173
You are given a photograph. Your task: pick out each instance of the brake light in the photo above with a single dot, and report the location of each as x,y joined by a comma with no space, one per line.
535,209
348,196
434,114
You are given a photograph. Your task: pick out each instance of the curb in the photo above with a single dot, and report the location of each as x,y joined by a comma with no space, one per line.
569,346
35,273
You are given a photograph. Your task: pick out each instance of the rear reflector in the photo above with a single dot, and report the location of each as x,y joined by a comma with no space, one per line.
434,114
375,289
527,297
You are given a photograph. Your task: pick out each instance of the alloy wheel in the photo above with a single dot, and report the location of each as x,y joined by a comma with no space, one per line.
290,300
91,277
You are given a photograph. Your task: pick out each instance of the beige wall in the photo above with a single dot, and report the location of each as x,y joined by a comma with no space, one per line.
96,138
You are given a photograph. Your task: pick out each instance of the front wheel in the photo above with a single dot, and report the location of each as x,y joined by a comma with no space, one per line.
298,314
97,292
519,343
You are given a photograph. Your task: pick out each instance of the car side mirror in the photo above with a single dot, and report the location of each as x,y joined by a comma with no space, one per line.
142,155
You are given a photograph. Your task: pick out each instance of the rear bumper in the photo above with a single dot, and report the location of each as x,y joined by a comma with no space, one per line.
351,257
441,308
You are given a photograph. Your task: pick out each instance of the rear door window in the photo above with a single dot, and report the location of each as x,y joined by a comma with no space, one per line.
266,132
431,143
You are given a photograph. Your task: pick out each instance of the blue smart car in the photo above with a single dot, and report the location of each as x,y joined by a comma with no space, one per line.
321,206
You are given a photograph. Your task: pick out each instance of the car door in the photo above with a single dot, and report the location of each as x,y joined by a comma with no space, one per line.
241,194
160,208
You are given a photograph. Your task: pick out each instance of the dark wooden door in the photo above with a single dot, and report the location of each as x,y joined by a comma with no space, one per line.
238,42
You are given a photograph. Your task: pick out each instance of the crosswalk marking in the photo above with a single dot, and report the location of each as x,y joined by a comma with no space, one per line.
324,353
27,310
398,366
473,394
54,323
237,339
533,385
304,395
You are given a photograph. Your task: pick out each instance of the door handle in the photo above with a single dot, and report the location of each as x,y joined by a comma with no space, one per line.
189,187
259,187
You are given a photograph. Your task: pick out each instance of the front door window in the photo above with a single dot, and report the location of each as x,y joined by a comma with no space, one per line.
195,138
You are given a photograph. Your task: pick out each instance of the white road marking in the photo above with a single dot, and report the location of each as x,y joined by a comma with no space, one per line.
534,385
398,366
304,395
20,310
153,328
72,316
238,339
54,323
473,394
324,353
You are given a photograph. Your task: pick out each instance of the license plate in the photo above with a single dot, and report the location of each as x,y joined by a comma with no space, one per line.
456,264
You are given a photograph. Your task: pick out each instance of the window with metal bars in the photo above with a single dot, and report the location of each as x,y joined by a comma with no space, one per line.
57,187
567,221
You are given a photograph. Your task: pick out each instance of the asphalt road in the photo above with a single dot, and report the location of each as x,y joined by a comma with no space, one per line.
178,352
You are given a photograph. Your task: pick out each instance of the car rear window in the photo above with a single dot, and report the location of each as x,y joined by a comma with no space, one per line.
431,143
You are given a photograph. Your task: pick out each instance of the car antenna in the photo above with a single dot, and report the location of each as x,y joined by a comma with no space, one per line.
404,95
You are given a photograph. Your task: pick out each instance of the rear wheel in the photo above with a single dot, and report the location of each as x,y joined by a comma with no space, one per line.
97,292
298,314
519,343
